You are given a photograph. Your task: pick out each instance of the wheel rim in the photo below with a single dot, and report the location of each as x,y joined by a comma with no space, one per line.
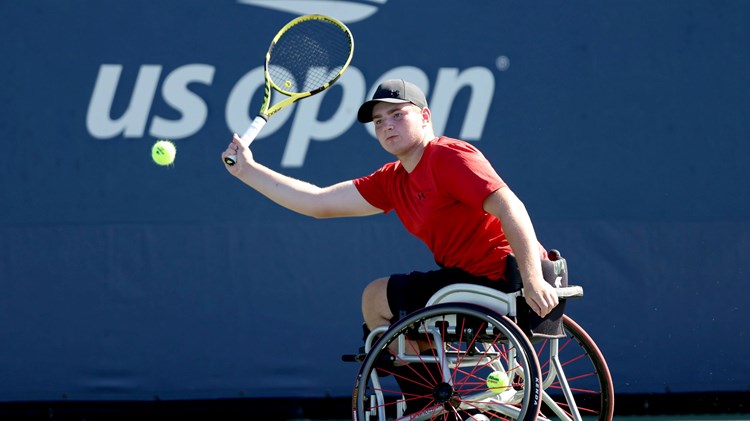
473,351
586,373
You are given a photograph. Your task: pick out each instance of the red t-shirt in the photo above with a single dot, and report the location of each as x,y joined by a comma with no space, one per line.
440,202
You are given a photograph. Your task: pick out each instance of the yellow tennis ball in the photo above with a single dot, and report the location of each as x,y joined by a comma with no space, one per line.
497,381
163,152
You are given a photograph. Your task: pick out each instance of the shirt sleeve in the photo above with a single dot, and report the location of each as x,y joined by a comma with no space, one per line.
466,174
374,188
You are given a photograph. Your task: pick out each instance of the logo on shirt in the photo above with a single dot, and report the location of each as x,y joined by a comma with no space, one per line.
420,196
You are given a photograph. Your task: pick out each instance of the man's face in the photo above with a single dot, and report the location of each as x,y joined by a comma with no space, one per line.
398,127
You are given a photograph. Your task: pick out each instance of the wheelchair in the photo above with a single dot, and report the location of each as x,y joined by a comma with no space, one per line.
547,369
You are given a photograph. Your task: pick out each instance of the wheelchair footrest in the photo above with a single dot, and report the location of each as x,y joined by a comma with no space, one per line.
355,358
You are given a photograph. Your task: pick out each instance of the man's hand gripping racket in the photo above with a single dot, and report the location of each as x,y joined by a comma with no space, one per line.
306,57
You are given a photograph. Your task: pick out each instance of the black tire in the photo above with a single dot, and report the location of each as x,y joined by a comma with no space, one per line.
586,371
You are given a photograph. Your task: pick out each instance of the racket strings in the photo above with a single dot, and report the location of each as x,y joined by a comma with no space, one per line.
309,55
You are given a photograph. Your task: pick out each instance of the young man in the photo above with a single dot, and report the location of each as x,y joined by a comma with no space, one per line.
444,191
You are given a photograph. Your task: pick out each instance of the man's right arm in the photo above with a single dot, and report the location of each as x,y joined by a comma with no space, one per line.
342,199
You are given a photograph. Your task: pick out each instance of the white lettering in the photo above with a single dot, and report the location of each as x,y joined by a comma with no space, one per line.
192,107
449,82
307,127
238,105
133,120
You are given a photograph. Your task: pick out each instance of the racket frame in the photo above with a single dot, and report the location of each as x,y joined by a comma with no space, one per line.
266,110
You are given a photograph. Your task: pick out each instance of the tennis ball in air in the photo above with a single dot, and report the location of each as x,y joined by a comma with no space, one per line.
497,381
163,152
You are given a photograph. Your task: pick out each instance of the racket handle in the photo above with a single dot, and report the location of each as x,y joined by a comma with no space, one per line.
248,137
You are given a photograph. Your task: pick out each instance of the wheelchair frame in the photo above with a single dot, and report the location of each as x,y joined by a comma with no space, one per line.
563,378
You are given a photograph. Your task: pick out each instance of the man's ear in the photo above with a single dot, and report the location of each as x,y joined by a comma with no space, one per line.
426,115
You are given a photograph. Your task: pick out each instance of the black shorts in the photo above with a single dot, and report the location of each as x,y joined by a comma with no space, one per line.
410,292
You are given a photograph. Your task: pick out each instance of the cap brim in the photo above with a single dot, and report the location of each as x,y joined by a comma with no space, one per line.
364,115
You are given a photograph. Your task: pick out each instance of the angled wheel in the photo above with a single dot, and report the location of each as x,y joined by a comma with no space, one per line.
461,345
575,377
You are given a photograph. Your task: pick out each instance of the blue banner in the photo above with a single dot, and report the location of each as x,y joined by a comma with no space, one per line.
623,126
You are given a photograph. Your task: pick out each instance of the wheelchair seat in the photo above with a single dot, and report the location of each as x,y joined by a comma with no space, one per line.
513,304
501,302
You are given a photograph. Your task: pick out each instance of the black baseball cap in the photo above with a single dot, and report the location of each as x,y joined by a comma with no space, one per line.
394,91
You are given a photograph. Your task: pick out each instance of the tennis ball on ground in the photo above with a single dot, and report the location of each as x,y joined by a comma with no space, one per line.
497,381
163,152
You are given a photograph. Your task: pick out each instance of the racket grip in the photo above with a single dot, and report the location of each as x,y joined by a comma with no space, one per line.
248,137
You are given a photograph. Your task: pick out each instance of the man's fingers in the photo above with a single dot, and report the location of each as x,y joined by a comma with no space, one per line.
543,306
535,307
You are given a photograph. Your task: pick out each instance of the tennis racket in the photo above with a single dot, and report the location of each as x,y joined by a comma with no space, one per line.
306,57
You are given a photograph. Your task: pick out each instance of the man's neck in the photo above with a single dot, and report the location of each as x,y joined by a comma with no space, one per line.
411,159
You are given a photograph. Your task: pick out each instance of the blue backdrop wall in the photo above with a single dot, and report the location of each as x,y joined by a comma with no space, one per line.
623,126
